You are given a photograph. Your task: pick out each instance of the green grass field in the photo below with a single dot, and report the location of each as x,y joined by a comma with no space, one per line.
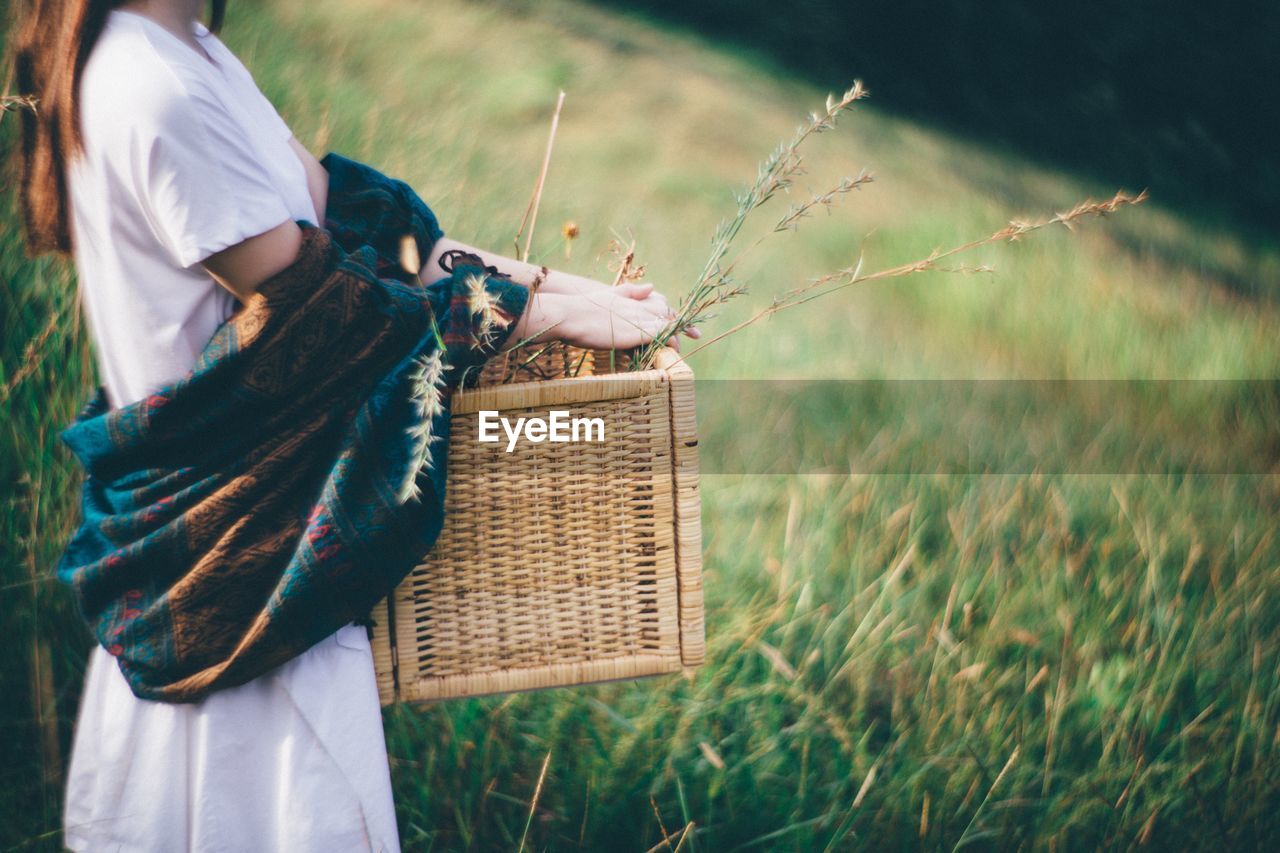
927,661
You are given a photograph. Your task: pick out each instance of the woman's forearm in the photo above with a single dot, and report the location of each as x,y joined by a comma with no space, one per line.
567,307
549,316
525,273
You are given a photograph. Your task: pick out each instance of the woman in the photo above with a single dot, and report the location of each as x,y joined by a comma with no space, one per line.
156,162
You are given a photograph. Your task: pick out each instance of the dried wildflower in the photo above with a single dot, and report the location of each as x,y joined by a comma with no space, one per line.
409,254
570,233
791,219
9,103
483,305
427,393
31,355
623,263
717,283
531,212
854,275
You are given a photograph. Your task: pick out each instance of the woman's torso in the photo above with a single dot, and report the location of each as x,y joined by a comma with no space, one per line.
149,315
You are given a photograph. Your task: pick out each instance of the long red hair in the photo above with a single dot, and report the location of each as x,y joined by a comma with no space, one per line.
53,41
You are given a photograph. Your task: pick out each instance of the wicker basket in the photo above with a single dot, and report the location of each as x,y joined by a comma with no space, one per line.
559,563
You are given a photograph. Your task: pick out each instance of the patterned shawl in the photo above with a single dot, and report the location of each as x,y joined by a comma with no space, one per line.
236,517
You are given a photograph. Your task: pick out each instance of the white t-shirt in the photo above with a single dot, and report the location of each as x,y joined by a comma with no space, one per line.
184,156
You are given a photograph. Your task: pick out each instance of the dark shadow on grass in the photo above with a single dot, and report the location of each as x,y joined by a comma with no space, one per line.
1164,94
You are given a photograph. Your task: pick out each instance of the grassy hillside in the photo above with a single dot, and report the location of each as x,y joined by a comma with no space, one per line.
1136,90
1049,660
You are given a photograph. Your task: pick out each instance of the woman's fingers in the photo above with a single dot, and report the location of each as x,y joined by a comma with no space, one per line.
645,293
654,304
629,315
658,304
635,291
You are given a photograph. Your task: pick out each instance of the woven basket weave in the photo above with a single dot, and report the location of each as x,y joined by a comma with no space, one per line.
559,563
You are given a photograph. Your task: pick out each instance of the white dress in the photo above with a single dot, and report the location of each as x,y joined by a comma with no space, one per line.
184,156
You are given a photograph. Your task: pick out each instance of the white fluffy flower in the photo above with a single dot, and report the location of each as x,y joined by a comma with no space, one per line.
483,305
427,381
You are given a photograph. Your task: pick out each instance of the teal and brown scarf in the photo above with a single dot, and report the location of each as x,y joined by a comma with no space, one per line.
294,476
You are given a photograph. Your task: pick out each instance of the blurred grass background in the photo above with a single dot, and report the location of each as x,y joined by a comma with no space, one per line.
1155,91
894,661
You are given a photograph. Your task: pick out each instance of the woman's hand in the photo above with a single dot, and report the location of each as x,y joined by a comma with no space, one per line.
575,309
600,317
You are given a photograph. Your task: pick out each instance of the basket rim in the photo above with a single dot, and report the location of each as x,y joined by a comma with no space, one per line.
537,393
